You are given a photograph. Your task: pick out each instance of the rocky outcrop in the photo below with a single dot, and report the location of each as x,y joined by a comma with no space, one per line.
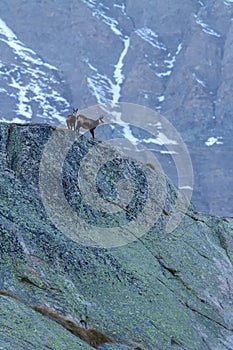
173,57
159,291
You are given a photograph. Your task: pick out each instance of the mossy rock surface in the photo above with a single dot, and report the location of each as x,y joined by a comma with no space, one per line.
22,328
160,291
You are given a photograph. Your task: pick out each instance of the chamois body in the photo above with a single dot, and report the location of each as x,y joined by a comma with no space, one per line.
88,123
71,119
152,166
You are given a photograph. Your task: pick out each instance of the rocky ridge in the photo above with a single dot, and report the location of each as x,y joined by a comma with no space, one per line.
159,291
173,57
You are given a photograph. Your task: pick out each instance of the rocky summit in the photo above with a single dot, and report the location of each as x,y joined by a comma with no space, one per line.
76,275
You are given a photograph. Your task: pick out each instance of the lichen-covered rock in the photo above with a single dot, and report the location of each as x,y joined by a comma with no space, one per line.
160,291
22,328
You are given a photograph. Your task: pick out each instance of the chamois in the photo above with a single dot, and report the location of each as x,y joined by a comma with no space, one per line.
71,119
88,123
152,166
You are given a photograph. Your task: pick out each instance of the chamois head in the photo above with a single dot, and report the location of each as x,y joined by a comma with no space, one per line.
71,119
101,119
75,112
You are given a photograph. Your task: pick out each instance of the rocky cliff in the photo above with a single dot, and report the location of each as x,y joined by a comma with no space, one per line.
64,289
174,57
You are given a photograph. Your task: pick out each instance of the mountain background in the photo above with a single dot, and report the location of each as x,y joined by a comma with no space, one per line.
174,57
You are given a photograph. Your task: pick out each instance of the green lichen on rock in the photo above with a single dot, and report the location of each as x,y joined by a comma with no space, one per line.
159,291
23,328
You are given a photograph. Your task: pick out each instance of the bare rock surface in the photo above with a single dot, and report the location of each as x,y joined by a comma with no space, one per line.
160,291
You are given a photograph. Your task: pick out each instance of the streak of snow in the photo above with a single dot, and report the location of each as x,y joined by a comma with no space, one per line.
168,152
118,75
23,105
161,140
151,37
99,11
102,87
104,6
214,140
205,27
201,82
14,120
29,84
170,62
186,188
164,74
112,23
228,2
19,48
128,134
122,7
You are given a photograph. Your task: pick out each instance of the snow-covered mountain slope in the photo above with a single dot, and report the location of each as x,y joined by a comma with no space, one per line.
173,57
30,88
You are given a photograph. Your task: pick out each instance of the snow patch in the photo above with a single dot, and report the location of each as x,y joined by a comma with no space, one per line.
164,74
100,86
199,81
99,11
161,98
23,106
118,75
128,134
30,81
151,37
214,140
9,37
186,188
121,7
161,140
168,152
103,88
170,62
205,27
228,2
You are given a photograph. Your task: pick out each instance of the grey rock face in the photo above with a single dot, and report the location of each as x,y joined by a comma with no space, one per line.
159,291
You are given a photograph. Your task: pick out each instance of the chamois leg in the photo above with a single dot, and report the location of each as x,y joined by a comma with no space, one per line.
92,132
77,127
